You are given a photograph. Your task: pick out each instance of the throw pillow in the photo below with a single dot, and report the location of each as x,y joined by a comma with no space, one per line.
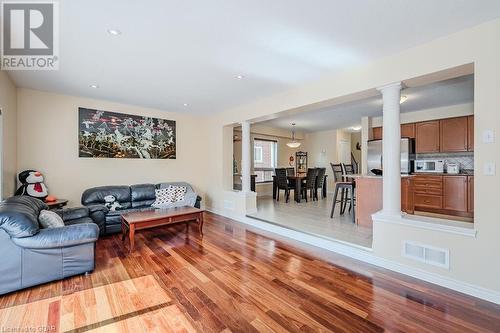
179,192
164,197
48,219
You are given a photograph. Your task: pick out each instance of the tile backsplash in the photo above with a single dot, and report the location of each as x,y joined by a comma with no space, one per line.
465,160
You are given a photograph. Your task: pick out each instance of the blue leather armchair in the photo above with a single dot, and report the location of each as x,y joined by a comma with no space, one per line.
31,255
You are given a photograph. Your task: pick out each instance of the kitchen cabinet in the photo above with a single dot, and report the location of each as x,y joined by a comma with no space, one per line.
470,133
453,134
377,133
428,192
470,197
407,192
427,137
408,130
455,193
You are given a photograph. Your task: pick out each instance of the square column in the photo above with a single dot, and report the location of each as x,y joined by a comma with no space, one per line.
391,148
245,157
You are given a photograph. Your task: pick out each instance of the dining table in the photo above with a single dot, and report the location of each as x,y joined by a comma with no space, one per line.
297,193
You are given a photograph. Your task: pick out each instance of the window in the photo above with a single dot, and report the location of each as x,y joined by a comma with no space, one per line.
1,156
264,159
257,155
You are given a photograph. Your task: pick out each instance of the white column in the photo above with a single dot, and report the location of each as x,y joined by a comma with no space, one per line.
365,127
391,148
245,156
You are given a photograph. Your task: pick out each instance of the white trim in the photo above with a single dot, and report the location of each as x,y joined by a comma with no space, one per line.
368,257
428,223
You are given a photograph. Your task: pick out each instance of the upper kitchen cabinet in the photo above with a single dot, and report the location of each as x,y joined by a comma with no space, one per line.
427,137
470,133
454,134
408,130
377,133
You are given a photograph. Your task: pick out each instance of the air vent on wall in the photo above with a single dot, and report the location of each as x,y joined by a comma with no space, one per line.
428,254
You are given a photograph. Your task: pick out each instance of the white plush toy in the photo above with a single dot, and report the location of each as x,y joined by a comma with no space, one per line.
111,203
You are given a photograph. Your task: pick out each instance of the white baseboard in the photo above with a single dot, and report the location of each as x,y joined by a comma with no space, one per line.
366,255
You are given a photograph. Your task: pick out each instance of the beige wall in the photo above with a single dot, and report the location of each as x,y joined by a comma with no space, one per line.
8,104
470,258
322,150
48,141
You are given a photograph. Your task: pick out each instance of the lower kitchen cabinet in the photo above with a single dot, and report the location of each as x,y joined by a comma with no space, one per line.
455,193
470,202
444,194
407,197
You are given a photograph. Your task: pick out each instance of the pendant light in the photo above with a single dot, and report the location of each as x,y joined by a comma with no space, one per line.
294,143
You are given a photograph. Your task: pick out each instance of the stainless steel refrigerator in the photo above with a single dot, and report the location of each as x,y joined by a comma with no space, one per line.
407,155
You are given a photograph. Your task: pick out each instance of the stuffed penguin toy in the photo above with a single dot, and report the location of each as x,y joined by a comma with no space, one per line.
32,184
111,203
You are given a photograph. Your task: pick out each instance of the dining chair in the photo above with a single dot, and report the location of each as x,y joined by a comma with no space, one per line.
342,185
320,180
282,182
291,172
310,183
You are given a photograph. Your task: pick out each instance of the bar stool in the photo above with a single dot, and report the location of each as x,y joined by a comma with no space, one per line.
349,169
344,186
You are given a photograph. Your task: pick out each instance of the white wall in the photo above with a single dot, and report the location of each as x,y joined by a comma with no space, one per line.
48,141
8,104
470,258
432,114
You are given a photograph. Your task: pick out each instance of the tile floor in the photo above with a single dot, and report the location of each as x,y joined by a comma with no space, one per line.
313,217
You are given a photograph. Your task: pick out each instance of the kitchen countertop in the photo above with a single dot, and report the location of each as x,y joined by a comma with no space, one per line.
461,173
357,176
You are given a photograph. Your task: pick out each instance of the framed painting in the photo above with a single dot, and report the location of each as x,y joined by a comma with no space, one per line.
104,134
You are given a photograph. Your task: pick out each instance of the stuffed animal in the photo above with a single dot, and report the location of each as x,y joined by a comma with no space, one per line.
111,203
32,184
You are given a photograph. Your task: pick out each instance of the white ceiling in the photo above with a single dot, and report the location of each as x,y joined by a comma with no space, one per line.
176,52
445,93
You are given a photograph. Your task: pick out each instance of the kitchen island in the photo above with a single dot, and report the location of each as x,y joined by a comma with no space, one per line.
369,196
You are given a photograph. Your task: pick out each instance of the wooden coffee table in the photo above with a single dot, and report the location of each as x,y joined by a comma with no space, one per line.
159,217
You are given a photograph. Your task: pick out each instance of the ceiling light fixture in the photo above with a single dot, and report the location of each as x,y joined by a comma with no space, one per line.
239,77
94,86
294,143
403,99
185,104
114,32
356,128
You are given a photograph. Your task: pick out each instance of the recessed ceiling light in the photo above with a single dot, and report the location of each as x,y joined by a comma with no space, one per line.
185,104
94,86
114,32
403,99
239,77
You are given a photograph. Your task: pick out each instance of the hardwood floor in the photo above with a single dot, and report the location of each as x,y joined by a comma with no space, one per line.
238,280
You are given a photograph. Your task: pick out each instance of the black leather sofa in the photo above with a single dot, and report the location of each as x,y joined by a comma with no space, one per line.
132,198
31,255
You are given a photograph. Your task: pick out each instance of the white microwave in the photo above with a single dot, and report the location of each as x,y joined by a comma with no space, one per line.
429,166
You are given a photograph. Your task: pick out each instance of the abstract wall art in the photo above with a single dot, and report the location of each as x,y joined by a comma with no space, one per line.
104,134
